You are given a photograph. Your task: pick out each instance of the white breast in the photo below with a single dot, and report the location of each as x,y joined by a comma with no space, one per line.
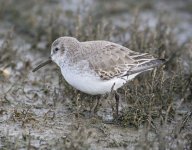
88,82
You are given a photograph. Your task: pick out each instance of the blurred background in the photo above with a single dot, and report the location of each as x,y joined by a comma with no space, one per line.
70,17
37,109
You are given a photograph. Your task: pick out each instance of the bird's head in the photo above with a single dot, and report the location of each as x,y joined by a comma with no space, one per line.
59,50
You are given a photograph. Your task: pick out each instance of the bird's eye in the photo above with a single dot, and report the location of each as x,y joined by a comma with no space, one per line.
56,49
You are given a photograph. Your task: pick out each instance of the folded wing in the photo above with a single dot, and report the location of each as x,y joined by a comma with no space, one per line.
111,60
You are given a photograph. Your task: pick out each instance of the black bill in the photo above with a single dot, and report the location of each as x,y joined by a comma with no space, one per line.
42,64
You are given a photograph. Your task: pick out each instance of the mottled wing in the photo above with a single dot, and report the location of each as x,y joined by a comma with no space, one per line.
112,60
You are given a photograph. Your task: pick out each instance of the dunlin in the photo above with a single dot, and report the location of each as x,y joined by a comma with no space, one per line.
94,67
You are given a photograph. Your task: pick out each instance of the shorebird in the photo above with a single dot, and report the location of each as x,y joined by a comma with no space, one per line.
95,67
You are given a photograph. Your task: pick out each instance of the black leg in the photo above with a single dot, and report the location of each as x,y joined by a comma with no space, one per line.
117,103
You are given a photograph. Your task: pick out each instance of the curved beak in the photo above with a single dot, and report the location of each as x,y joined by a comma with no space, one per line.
42,64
